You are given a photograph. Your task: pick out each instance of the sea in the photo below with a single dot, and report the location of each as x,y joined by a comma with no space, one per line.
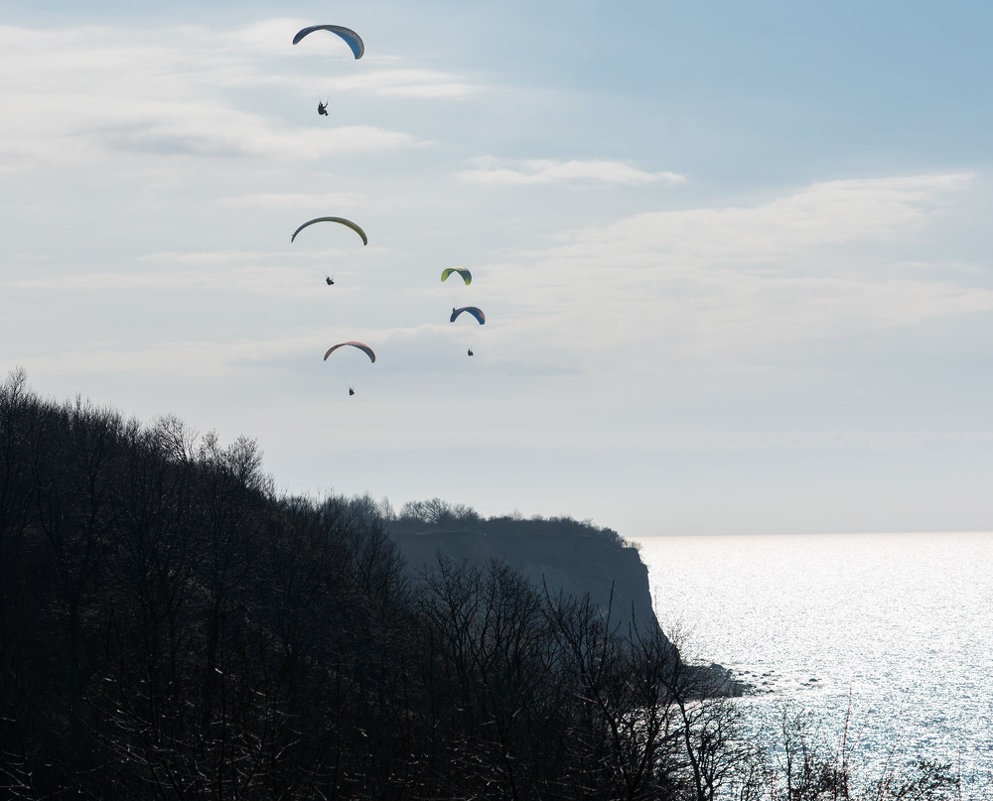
884,639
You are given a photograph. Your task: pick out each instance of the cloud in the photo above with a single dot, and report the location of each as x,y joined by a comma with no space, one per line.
492,171
202,357
94,94
296,282
195,358
211,131
264,37
832,212
289,200
664,287
413,83
222,271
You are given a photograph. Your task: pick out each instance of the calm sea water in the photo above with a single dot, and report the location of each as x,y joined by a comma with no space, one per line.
896,627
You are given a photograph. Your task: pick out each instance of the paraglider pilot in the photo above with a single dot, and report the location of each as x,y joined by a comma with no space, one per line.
322,109
470,351
351,391
329,280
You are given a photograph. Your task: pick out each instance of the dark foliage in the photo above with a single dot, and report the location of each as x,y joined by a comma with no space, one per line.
437,515
172,628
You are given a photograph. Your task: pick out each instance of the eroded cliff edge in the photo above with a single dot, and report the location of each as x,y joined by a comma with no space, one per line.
559,554
577,563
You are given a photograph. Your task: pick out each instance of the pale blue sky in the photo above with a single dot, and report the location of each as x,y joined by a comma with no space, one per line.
734,258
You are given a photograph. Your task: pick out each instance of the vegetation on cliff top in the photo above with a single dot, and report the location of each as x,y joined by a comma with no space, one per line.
436,515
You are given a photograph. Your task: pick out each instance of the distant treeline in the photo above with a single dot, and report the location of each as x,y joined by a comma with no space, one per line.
438,515
173,628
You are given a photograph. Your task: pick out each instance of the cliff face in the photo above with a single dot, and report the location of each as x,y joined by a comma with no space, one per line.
577,565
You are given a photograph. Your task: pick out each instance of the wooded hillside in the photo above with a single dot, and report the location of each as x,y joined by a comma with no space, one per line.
172,628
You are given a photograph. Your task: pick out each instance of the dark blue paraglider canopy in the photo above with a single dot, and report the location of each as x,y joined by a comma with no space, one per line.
352,39
474,311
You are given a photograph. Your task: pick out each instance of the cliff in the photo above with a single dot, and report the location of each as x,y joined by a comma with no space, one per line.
579,563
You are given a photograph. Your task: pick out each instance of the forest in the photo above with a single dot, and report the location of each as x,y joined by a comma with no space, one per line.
171,627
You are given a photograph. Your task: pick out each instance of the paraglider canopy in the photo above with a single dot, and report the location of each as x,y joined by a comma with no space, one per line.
339,220
360,345
352,39
466,275
471,310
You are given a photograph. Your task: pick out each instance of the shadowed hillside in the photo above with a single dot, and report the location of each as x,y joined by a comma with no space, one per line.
558,554
172,628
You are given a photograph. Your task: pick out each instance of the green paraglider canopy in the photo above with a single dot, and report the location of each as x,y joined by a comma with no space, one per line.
340,220
352,39
466,275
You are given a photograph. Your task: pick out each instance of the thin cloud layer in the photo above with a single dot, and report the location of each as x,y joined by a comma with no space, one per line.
268,281
721,281
507,172
114,91
295,200
410,83
188,359
822,214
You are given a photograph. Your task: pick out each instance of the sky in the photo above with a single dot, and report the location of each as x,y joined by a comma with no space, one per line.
733,257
